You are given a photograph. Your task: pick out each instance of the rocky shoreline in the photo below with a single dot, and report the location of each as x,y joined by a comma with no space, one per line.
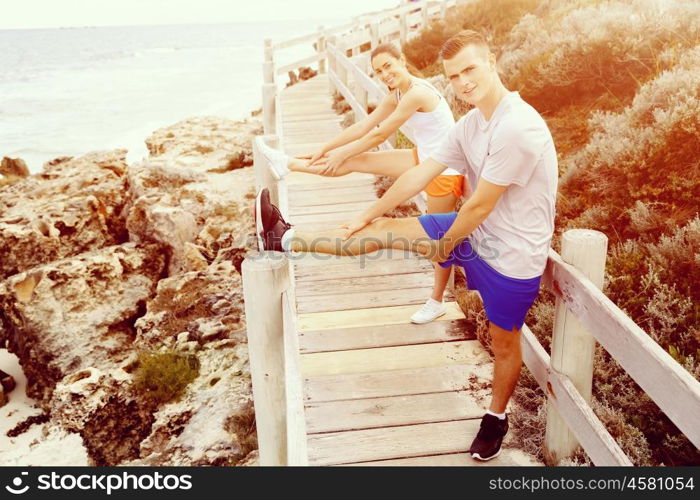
103,263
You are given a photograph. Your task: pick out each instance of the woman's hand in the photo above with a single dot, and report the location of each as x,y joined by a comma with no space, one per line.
333,162
313,157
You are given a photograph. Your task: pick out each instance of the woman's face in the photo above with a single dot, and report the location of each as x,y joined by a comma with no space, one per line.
390,70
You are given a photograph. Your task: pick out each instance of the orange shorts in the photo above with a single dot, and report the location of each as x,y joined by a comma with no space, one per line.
442,185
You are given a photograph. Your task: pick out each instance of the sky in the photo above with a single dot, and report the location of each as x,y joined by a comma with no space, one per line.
25,14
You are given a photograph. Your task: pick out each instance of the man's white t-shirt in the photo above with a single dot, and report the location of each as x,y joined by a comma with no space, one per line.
515,149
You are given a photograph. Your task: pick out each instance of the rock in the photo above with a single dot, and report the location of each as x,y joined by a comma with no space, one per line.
78,312
71,207
305,73
213,424
252,460
206,427
109,416
194,213
13,167
6,381
208,305
204,143
292,79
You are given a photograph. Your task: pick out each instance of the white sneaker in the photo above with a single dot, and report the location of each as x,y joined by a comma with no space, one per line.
277,160
431,310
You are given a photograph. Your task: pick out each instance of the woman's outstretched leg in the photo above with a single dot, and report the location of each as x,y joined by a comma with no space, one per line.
391,163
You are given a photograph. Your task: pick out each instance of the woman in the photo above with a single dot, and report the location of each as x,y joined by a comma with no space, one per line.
412,105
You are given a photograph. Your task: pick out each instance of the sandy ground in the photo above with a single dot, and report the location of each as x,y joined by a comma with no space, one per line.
41,444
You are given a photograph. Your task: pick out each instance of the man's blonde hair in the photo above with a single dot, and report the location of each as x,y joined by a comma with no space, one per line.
462,39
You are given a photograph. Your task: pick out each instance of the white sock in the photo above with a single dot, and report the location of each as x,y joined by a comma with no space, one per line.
501,416
287,239
432,301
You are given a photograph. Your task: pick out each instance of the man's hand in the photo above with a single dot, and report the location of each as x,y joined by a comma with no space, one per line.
354,226
440,251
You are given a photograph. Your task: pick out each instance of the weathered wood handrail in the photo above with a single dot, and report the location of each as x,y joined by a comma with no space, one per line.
587,428
666,382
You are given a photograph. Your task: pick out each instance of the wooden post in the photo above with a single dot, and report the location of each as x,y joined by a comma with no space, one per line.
269,91
340,69
321,48
374,33
263,176
403,28
332,63
573,346
424,11
269,72
360,92
265,278
355,46
269,50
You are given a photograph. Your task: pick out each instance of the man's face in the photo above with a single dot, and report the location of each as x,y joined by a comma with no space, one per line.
472,73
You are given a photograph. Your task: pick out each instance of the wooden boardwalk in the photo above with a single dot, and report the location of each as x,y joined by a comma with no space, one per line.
377,389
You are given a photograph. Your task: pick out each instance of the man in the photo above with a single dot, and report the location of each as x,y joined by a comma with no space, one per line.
500,236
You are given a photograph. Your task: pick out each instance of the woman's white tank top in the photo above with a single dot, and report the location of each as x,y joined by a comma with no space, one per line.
429,128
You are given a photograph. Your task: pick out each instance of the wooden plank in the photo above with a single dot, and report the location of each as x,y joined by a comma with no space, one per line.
391,442
665,381
390,411
345,339
365,284
329,209
297,180
392,358
296,418
343,301
333,219
509,457
395,315
311,267
338,189
330,198
398,382
585,425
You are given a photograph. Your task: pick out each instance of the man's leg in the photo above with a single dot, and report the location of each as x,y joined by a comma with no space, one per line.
506,369
401,234
507,364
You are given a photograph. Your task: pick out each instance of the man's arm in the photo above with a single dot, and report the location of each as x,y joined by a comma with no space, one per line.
409,184
474,211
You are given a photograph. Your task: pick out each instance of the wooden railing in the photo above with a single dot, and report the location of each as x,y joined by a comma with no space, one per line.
584,314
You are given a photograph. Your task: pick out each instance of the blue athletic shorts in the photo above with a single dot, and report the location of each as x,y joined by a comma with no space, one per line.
506,300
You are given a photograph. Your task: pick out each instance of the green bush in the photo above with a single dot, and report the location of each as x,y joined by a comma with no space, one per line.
163,376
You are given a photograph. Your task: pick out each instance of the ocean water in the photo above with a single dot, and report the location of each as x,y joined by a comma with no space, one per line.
64,92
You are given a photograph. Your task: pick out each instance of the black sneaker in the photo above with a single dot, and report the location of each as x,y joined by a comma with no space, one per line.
487,443
269,223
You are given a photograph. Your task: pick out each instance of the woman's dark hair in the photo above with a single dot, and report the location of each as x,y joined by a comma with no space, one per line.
392,50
